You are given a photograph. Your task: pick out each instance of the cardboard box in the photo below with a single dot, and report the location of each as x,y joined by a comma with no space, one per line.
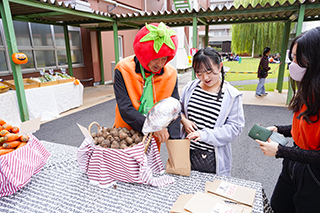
232,192
27,82
204,203
178,206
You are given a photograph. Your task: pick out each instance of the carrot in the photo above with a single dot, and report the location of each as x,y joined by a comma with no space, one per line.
15,129
21,144
4,132
11,144
5,151
7,126
2,122
11,137
24,138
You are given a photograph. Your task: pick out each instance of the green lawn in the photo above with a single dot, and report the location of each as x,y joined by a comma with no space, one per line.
251,65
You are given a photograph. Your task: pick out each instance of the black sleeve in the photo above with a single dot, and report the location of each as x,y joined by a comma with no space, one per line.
174,127
285,130
296,154
128,113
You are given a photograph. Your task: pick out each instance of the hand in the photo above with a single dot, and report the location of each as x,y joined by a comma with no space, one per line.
272,128
162,135
269,148
188,125
194,135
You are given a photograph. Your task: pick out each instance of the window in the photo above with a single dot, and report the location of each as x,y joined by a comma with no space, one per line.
43,44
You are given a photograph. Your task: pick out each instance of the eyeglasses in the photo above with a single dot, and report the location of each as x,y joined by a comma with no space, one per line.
208,72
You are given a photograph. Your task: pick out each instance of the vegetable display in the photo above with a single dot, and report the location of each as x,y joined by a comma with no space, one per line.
116,138
10,139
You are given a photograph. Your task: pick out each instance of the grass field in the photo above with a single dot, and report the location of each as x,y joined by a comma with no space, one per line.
251,65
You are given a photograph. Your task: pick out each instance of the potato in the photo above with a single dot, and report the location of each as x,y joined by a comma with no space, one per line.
115,145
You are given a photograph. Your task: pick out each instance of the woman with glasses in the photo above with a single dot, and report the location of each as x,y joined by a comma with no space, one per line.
212,114
298,186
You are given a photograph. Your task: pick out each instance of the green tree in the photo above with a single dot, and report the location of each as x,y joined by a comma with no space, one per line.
248,37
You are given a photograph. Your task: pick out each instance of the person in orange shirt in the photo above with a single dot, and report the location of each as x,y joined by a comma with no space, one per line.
298,186
146,78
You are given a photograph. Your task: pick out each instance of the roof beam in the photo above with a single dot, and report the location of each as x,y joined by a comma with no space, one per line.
39,15
55,8
202,20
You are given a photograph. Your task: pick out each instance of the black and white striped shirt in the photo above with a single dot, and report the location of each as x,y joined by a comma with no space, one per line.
203,110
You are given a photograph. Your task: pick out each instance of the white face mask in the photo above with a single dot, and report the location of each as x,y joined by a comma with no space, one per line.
296,72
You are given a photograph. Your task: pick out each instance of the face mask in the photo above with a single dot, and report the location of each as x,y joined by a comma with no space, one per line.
296,72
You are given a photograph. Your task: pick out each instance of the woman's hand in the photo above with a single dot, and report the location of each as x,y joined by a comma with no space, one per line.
194,135
272,128
162,135
188,125
269,148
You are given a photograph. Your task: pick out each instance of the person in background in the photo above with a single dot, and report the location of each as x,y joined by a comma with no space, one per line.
298,186
142,80
263,73
211,115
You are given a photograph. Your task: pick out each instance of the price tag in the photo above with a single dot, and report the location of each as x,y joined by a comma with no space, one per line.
226,189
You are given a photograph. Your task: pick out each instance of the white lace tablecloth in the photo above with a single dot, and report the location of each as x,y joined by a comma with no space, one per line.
62,187
45,102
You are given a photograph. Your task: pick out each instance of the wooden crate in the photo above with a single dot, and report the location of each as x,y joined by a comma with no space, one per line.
67,80
27,82
49,83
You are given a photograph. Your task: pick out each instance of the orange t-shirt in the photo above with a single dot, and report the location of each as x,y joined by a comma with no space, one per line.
306,136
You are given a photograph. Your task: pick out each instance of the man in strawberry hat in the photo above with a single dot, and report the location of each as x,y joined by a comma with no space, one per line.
145,78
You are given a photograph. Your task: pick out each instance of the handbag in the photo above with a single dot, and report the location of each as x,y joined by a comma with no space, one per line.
263,72
203,161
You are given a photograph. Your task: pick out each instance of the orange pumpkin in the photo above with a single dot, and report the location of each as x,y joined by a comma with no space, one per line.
19,58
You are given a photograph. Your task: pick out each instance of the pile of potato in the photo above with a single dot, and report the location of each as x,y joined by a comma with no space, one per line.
116,138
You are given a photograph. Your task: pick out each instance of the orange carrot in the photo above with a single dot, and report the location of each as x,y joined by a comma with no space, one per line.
2,122
21,144
11,144
11,137
5,151
4,132
15,129
7,126
24,138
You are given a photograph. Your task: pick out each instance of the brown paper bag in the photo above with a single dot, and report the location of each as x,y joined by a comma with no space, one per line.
179,157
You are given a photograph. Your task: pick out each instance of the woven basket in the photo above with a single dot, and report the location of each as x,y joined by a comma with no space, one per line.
4,88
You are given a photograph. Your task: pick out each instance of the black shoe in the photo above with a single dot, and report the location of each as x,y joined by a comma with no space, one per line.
258,96
265,94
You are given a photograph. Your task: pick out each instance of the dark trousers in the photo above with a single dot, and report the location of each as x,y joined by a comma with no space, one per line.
297,189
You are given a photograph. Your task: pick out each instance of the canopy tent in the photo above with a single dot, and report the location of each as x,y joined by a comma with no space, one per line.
59,13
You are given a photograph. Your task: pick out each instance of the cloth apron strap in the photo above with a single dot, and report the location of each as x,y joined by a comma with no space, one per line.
146,99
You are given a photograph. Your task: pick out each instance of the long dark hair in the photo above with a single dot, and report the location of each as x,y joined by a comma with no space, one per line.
308,89
206,56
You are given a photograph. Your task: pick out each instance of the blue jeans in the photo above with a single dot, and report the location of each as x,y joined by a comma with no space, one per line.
260,87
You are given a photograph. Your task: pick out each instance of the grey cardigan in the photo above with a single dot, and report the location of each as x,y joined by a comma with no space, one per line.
228,126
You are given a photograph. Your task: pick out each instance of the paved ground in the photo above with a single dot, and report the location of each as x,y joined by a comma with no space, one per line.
248,161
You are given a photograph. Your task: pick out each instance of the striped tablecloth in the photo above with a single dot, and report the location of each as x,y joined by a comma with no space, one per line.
62,187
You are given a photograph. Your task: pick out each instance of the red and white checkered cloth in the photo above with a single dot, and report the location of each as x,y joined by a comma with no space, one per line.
131,165
17,167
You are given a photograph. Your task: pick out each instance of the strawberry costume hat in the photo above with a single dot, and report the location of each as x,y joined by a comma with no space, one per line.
155,40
